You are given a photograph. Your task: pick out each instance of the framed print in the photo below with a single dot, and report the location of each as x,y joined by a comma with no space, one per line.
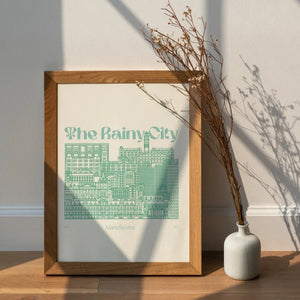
122,176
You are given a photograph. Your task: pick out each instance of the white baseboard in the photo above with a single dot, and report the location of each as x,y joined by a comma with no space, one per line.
275,226
22,228
22,211
273,211
255,211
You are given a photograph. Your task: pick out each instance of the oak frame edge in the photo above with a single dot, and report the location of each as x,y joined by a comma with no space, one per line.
51,264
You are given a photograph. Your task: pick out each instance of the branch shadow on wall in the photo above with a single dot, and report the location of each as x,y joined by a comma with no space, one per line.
274,124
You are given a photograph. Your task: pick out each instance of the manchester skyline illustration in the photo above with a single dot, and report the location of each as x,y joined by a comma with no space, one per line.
140,184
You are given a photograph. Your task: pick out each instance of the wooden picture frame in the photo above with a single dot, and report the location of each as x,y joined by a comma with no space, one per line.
52,265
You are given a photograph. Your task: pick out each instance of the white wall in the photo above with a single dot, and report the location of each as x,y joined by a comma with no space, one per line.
101,35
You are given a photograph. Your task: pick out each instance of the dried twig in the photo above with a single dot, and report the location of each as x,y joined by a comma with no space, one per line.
206,92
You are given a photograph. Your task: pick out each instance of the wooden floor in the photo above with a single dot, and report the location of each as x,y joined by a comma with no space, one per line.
21,277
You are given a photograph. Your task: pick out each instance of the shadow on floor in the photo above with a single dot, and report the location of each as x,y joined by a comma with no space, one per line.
211,261
7,260
278,279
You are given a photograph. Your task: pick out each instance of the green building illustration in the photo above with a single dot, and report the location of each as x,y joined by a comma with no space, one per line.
141,184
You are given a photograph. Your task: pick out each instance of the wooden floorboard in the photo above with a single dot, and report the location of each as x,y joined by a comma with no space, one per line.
21,277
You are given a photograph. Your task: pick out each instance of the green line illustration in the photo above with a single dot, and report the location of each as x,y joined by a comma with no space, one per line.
141,184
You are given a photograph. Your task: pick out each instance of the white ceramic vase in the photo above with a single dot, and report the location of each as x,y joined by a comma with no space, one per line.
242,254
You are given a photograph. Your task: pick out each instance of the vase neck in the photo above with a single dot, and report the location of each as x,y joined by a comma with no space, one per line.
243,229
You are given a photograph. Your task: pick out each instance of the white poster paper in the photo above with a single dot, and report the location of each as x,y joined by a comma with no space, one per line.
123,175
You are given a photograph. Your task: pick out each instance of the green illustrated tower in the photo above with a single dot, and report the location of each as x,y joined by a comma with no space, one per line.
141,184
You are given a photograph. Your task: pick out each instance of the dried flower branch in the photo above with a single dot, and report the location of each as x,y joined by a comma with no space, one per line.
206,92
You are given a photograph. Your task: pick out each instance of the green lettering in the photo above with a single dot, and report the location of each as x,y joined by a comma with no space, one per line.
116,134
152,134
105,131
92,134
